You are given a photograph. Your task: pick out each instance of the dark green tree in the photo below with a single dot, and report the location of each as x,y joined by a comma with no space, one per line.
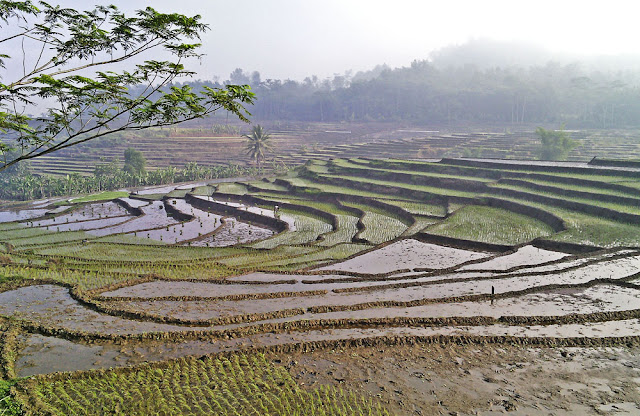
134,162
556,144
61,47
258,143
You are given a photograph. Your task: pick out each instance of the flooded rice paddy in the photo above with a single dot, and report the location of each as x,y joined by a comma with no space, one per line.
54,306
563,292
406,254
406,288
21,214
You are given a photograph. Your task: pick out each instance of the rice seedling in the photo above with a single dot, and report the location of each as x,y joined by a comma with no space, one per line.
102,196
232,188
48,238
347,230
238,385
337,252
380,225
491,225
589,229
257,257
139,252
419,208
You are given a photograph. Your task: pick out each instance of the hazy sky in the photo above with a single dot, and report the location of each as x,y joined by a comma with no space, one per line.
297,38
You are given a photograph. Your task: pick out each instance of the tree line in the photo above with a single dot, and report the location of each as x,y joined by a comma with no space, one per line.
426,92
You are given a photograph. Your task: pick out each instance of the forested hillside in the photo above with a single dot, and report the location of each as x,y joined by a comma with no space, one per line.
456,86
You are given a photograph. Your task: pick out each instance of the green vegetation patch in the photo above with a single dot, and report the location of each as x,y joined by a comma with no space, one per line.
347,229
491,225
49,238
420,208
380,225
232,188
102,196
80,279
201,270
258,257
420,224
590,230
240,385
22,232
405,186
337,252
129,239
178,193
267,186
8,405
139,252
631,209
205,190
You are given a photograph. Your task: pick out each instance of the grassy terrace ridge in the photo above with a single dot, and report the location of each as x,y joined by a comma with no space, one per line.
51,237
334,189
631,209
380,225
582,188
422,188
342,163
231,188
419,208
478,172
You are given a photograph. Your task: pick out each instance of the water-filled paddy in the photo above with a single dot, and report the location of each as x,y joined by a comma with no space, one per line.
52,305
406,254
23,214
524,256
154,216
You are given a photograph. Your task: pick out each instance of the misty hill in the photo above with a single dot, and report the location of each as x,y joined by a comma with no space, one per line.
478,82
485,54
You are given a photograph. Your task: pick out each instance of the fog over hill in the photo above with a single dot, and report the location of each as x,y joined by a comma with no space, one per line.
480,81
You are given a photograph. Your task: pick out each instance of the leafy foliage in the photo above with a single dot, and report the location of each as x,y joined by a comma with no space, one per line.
69,44
258,143
8,405
134,161
556,144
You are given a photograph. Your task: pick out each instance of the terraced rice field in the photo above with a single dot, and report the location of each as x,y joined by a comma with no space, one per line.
346,254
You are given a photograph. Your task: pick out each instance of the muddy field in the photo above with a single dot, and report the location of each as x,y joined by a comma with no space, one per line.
471,380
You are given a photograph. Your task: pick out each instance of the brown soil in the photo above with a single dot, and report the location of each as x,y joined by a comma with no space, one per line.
473,380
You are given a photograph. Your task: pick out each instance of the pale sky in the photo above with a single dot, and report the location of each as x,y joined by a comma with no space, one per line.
297,38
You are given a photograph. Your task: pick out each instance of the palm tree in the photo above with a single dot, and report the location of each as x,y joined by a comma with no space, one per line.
258,144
